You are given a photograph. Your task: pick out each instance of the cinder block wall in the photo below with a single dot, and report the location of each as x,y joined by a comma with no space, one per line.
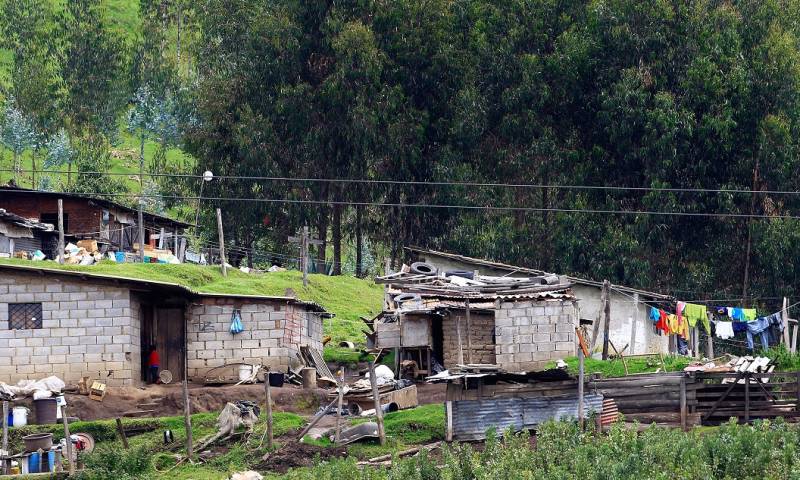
529,334
273,332
87,330
482,337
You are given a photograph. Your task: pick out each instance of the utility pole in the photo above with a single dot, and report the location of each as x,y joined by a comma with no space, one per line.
60,256
222,258
141,231
304,241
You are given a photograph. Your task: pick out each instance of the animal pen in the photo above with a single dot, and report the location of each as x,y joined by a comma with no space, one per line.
478,401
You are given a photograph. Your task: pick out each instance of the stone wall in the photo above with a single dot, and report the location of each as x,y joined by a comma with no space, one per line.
529,334
273,332
87,330
482,337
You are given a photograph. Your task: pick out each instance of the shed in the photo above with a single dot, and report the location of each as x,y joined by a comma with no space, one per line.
629,306
18,233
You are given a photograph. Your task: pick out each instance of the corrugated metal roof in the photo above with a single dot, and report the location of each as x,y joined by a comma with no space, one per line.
25,222
533,271
471,418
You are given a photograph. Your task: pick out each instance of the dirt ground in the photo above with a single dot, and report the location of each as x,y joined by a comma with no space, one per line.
169,398
202,398
298,455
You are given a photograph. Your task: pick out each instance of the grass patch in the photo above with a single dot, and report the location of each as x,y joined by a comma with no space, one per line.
345,296
344,356
615,367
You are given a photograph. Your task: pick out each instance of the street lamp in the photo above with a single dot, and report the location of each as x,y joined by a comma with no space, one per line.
207,177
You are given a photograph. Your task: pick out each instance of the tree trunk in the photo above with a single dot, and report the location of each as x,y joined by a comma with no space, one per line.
16,167
337,239
359,242
322,234
178,35
746,279
141,162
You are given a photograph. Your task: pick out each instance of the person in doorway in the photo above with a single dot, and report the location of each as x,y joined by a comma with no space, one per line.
153,364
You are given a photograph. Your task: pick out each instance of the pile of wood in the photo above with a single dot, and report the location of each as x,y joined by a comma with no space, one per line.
470,284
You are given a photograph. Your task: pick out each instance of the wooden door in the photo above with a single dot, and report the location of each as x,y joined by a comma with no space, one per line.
171,339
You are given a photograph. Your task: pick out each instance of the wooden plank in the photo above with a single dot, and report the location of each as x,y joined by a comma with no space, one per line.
121,432
684,410
606,319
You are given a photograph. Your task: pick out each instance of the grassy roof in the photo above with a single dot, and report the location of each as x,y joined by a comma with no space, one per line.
347,297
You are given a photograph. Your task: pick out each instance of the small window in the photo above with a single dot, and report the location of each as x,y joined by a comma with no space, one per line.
52,219
24,316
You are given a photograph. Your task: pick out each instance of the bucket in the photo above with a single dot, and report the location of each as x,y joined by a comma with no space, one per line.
120,256
276,379
35,441
20,416
45,409
245,372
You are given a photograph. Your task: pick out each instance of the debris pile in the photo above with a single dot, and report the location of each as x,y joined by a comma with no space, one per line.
424,279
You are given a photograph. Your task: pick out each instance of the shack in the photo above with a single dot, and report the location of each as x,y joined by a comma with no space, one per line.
436,322
629,323
75,323
113,225
20,234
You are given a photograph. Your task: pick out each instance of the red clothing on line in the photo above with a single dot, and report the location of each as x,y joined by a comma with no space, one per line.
154,360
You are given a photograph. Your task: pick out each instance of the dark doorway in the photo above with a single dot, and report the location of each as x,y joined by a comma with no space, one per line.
437,337
165,328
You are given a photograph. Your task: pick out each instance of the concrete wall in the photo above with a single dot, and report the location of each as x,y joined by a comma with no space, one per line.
624,311
482,337
87,330
273,333
530,334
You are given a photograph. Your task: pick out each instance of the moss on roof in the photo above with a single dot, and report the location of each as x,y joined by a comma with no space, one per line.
345,296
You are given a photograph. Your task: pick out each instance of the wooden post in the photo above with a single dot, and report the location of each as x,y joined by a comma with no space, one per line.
121,432
709,342
460,344
696,342
268,394
222,258
161,236
580,386
182,251
304,260
747,397
340,390
794,337
785,319
73,459
597,323
377,398
634,323
141,230
469,333
60,256
175,242
448,412
684,411
187,408
3,460
607,319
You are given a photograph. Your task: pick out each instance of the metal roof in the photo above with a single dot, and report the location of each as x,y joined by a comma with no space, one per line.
533,271
23,222
103,202
85,275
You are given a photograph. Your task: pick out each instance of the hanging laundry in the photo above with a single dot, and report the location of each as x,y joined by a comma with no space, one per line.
758,326
721,311
739,327
749,314
694,312
683,346
724,329
672,322
654,315
736,313
663,324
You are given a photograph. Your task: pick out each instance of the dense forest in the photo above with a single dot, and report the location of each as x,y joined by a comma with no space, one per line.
651,143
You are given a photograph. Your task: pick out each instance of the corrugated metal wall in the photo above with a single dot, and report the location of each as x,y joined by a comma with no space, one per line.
471,418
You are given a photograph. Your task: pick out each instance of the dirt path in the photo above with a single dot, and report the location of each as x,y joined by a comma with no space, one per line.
202,398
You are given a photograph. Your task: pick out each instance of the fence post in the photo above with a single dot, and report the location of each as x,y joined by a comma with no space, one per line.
747,397
683,404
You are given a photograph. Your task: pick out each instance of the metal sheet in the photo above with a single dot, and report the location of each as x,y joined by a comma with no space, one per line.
471,418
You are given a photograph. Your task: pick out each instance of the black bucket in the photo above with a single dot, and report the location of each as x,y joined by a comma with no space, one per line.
276,379
45,409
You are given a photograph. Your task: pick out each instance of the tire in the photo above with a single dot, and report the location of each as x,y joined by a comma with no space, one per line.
405,297
423,268
460,273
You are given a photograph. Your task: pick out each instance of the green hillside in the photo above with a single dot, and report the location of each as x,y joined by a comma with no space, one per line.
345,296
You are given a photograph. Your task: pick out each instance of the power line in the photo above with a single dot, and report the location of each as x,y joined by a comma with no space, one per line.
427,183
437,206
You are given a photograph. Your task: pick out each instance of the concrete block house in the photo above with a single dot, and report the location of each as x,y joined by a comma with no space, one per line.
76,323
